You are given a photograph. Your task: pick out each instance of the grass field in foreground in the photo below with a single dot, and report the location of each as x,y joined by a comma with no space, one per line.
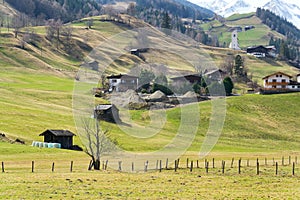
153,185
19,183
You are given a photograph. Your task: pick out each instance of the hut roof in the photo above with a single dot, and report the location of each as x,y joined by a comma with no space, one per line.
59,133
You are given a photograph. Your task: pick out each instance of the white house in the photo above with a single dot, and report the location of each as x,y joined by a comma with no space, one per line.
280,81
276,81
234,41
122,82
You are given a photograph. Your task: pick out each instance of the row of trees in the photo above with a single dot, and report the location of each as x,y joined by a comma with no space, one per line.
165,19
289,48
64,10
202,87
286,49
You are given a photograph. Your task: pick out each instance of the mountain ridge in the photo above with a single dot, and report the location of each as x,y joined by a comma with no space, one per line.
283,8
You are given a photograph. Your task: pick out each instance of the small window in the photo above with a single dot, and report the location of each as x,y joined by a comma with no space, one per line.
274,81
280,76
293,86
298,86
267,81
276,75
283,80
114,81
274,86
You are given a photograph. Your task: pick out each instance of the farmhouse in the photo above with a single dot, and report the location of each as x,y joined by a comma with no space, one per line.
281,82
247,28
107,112
63,137
261,51
122,82
215,75
191,78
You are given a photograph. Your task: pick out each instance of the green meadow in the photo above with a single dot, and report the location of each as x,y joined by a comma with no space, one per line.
36,94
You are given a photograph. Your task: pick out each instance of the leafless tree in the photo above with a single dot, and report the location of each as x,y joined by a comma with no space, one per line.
90,23
228,64
17,25
110,11
131,10
54,30
97,142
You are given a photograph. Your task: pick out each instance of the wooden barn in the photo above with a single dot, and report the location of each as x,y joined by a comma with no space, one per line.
107,112
63,137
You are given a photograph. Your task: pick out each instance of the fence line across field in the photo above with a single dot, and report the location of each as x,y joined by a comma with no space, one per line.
210,166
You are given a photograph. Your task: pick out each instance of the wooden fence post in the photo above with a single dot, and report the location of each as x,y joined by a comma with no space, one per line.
175,168
276,168
71,166
53,167
146,165
197,163
223,167
248,164
240,161
3,167
187,163
289,160
257,167
232,162
191,167
213,164
293,171
106,164
207,165
32,166
167,162
120,165
282,160
266,162
160,166
132,166
178,163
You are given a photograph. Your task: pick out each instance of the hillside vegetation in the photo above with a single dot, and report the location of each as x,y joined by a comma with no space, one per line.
260,35
37,83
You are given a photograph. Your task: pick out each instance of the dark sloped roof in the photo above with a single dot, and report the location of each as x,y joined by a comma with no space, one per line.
294,83
58,132
120,76
276,74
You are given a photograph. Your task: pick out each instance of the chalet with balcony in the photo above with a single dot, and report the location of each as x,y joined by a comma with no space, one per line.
277,81
122,82
281,82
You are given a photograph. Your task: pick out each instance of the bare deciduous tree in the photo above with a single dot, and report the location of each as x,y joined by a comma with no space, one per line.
97,142
54,30
90,23
17,25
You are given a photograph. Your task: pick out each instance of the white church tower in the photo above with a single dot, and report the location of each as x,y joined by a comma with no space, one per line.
234,41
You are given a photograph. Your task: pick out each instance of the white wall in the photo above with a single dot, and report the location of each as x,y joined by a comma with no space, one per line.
278,78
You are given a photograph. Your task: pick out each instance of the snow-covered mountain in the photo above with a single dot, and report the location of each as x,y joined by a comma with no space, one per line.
289,9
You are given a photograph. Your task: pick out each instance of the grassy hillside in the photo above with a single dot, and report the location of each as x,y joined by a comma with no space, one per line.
37,83
258,36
